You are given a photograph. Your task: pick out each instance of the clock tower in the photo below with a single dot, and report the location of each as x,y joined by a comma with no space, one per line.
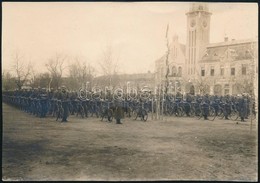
198,29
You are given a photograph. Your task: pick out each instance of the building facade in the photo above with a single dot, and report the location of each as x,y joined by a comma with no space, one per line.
229,67
176,59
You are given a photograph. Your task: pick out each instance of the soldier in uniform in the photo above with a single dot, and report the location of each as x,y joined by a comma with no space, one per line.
118,112
205,107
227,107
187,104
43,100
64,97
242,105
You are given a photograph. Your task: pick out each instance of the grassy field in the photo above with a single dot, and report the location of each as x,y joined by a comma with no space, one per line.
89,149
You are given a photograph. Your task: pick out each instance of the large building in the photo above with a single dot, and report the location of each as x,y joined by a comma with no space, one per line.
199,67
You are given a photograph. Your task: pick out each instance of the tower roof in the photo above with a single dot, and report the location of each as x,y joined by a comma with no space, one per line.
199,7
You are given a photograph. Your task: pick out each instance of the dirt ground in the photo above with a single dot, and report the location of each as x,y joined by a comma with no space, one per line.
89,149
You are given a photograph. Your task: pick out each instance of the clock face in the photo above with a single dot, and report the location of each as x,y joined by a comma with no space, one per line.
192,23
205,24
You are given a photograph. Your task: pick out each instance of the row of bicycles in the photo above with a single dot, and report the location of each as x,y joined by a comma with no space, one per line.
135,109
212,110
42,107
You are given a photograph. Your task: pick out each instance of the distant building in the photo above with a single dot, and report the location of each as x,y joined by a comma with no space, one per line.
199,67
227,67
138,81
176,63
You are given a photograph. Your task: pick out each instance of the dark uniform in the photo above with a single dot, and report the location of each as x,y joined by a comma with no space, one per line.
43,97
242,105
118,112
227,107
64,97
205,107
187,104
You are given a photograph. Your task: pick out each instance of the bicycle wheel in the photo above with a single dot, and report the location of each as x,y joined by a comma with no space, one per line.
179,112
129,112
234,115
81,111
61,112
102,116
97,112
192,112
198,113
58,114
212,114
220,114
170,110
252,115
110,115
39,110
135,114
144,115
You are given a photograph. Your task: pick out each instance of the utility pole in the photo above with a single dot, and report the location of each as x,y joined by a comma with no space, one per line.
166,85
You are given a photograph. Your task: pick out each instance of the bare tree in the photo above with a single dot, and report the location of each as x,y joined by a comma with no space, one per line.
167,62
246,82
56,67
109,67
8,81
41,80
21,72
203,85
81,72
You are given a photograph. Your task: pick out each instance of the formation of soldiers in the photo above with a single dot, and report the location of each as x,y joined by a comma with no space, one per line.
62,103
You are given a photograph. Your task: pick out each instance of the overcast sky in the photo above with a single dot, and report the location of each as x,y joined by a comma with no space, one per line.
135,31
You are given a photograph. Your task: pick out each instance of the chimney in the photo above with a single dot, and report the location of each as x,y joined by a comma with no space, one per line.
225,39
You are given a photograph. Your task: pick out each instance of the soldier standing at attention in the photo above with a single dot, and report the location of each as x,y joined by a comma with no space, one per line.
205,107
242,104
227,107
65,103
118,112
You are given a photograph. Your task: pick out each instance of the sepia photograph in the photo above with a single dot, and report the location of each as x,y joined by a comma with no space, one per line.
129,91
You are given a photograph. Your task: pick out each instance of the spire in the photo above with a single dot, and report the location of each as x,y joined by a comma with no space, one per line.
175,37
199,7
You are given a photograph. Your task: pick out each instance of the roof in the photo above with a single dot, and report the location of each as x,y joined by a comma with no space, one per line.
183,48
237,50
137,76
232,42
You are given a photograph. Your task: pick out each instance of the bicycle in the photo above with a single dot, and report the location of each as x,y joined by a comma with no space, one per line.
211,112
234,116
79,109
106,112
60,110
140,112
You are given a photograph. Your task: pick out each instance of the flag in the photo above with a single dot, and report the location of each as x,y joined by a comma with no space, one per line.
166,35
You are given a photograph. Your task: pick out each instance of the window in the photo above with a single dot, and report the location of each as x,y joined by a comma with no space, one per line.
202,71
226,85
212,71
222,71
161,71
243,69
233,71
179,71
174,71
226,89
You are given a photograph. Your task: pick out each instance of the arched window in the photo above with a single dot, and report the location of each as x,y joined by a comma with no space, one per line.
174,71
162,72
179,71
